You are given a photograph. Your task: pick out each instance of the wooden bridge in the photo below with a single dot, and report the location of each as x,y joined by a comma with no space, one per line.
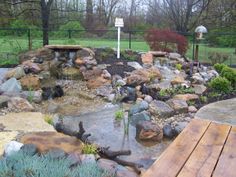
203,149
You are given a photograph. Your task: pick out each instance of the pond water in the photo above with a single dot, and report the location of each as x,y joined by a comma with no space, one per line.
108,132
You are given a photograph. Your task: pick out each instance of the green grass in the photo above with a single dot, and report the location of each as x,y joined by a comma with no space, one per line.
21,44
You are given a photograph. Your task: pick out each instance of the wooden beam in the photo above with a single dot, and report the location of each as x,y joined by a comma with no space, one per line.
174,157
205,156
227,161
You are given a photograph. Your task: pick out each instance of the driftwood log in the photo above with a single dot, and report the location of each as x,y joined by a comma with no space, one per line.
104,152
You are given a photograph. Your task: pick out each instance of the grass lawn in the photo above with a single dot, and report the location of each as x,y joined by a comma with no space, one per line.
11,45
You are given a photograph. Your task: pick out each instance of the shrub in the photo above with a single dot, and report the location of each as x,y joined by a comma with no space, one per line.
72,25
129,55
218,67
48,118
20,164
166,40
119,115
217,57
89,149
220,85
229,74
178,66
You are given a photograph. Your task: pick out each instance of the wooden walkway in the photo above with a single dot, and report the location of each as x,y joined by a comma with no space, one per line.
203,149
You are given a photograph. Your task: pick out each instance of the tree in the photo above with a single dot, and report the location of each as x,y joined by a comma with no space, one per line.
89,14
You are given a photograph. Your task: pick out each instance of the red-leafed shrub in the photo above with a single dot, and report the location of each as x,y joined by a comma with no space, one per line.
166,40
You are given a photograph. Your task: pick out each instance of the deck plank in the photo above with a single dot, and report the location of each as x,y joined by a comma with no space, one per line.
227,162
203,160
174,157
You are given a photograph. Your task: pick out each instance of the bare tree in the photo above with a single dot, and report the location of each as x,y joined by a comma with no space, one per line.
89,14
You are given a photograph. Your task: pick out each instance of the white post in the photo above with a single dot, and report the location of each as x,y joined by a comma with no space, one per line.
118,45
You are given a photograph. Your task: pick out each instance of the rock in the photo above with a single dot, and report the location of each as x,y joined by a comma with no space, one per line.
169,132
17,73
178,80
11,86
34,96
120,82
147,58
31,67
44,53
104,91
108,165
44,75
6,137
46,141
137,108
21,104
12,147
147,130
87,57
148,99
180,106
71,73
135,65
91,74
198,79
25,122
160,109
186,97
3,101
106,74
125,173
142,116
29,149
97,82
74,159
158,53
141,76
199,89
87,158
79,62
180,126
30,82
126,94
52,108
192,109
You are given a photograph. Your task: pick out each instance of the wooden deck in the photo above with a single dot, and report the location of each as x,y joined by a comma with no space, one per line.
203,149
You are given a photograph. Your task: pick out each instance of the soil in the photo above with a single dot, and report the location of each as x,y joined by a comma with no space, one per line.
117,66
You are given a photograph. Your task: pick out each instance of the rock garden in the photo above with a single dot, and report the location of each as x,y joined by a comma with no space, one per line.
74,111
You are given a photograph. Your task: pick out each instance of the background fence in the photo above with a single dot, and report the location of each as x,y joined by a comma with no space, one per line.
216,47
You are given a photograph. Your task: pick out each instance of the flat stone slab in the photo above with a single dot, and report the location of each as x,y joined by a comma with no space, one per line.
46,141
221,111
6,137
25,122
63,47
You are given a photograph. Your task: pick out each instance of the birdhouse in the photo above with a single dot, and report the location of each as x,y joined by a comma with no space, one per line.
199,32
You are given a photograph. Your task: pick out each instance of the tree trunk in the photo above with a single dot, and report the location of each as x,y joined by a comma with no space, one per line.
45,14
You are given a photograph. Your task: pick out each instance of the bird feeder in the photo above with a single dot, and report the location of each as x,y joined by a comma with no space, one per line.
199,36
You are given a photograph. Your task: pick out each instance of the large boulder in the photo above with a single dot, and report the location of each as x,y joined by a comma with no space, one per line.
30,82
141,76
139,107
142,116
3,101
91,74
20,104
186,97
43,53
17,73
97,82
160,109
147,130
180,106
46,141
31,67
85,57
11,86
147,58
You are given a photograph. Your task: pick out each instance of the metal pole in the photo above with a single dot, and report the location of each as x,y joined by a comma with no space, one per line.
69,32
29,40
118,46
130,39
193,46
